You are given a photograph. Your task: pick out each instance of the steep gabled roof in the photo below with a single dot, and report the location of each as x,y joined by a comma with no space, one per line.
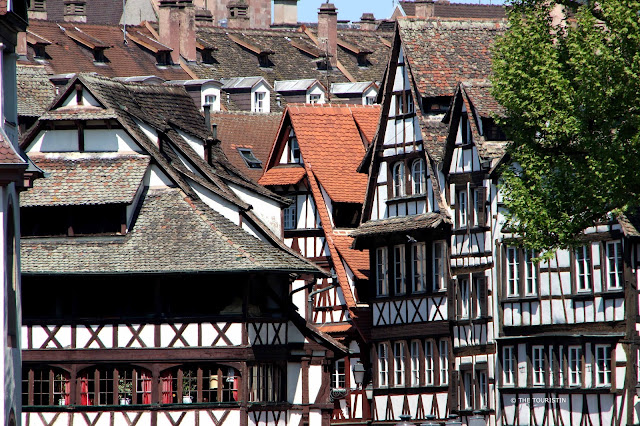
443,52
35,91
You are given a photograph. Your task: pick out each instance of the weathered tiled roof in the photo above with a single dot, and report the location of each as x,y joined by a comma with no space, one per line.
84,112
331,146
443,52
444,9
35,91
401,224
65,55
434,134
246,130
357,260
87,179
173,233
479,92
283,176
98,11
8,153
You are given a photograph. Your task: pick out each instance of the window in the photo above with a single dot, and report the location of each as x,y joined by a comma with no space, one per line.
537,363
415,363
259,102
398,363
512,272
419,265
409,102
575,366
603,365
465,129
250,160
397,174
266,383
530,274
399,270
418,177
468,393
464,297
400,104
483,389
479,212
210,99
291,214
614,265
583,269
508,366
315,99
370,100
444,362
339,381
439,283
294,148
382,281
428,362
462,209
383,365
45,386
561,365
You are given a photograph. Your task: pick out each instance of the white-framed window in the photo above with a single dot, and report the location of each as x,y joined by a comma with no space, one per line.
370,100
513,272
478,207
465,129
583,268
575,365
465,297
418,177
398,363
294,148
508,366
614,265
483,389
550,365
468,391
210,99
339,376
439,281
462,209
259,101
398,176
315,98
537,363
419,267
409,102
400,104
291,214
444,362
603,365
415,363
428,363
560,365
399,270
383,365
382,278
530,273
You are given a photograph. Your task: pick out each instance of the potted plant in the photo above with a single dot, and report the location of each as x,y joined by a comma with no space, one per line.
188,388
125,387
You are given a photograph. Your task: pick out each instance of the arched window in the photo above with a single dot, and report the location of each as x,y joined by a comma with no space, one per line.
418,177
398,179
200,383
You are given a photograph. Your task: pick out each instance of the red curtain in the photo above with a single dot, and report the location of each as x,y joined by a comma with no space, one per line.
167,388
84,390
67,391
236,385
146,389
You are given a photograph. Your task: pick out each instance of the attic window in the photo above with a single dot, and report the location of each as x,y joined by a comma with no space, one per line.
263,60
436,104
363,60
98,55
109,219
163,58
210,99
39,51
207,56
492,132
250,159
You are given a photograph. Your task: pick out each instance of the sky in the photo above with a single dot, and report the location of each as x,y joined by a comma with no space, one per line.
353,9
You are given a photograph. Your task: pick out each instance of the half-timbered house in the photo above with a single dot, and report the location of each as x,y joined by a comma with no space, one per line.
313,161
420,248
157,289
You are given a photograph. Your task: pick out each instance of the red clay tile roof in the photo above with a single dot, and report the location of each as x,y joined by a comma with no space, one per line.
282,176
367,121
444,9
479,93
442,53
35,91
65,55
357,260
331,146
8,154
246,130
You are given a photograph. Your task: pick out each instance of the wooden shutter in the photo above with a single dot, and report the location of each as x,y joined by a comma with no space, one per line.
482,206
481,292
454,394
451,299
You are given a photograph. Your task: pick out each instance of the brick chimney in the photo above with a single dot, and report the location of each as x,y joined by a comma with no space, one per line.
177,28
424,8
37,9
204,15
368,22
238,16
75,11
328,31
285,13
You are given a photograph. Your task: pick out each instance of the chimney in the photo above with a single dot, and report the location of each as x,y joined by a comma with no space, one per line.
37,9
368,22
424,8
21,46
177,28
204,15
238,14
328,31
75,11
285,13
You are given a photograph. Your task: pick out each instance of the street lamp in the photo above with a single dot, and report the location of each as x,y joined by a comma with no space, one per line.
431,421
404,420
453,421
477,419
358,373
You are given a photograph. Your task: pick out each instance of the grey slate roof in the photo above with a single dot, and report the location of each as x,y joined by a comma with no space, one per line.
35,91
173,233
88,179
355,88
401,224
294,85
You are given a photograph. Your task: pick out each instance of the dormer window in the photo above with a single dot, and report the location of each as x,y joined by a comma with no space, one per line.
163,58
263,60
492,132
363,60
315,99
250,160
294,148
39,51
436,104
258,102
210,100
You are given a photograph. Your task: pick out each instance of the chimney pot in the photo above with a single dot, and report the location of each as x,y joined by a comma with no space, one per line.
328,31
75,11
368,22
424,8
177,17
238,14
285,12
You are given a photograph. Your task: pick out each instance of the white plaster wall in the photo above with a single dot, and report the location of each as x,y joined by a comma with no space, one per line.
55,141
156,178
217,203
316,89
261,87
196,144
266,209
294,382
105,140
210,89
149,132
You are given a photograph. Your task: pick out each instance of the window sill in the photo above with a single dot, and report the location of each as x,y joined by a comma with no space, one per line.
611,293
408,197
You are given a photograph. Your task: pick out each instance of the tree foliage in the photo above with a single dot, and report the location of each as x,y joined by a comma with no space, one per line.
572,93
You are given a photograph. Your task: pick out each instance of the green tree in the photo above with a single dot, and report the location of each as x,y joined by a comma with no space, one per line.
572,93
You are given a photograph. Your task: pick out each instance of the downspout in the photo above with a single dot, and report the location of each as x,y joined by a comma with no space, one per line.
334,284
